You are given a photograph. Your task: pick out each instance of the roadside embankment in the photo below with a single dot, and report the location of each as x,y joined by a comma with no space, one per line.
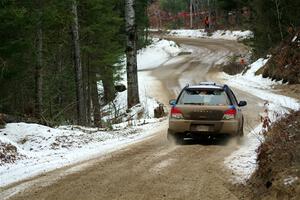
277,174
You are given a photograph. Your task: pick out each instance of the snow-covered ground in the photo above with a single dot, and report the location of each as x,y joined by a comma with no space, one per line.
260,87
43,148
157,53
243,161
118,108
152,56
37,149
219,34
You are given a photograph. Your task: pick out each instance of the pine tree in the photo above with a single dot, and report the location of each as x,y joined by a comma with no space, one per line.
38,40
272,20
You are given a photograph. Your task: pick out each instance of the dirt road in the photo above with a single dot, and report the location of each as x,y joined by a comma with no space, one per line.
154,169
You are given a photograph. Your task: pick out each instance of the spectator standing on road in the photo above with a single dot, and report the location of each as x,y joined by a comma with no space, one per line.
206,22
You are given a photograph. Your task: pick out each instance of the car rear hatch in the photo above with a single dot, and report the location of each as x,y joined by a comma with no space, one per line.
212,113
203,103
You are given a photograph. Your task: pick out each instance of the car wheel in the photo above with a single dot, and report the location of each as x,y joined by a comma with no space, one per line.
240,135
241,132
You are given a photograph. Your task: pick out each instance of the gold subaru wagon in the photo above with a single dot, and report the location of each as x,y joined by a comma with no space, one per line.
206,109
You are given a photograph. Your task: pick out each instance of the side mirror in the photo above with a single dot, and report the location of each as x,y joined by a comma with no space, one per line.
242,103
172,102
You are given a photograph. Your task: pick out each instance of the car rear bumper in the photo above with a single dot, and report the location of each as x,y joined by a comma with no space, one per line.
229,127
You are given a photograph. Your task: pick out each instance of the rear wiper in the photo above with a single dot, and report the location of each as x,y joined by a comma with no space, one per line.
193,103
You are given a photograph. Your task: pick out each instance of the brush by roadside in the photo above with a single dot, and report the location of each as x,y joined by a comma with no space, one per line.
277,174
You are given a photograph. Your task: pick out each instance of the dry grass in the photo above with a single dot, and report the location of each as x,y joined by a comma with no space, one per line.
285,61
8,153
279,162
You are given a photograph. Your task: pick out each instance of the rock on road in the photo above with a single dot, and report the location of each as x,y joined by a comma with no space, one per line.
153,169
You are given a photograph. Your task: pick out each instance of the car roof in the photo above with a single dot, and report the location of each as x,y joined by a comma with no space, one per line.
205,85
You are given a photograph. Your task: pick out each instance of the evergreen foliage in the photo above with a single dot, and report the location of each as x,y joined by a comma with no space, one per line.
269,22
102,42
174,6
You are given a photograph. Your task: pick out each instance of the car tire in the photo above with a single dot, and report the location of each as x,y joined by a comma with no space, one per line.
240,135
241,132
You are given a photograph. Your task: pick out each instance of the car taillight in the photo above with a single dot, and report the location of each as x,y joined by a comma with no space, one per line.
230,113
176,113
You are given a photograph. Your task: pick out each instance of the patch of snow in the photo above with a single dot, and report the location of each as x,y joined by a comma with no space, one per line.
118,109
259,86
232,35
263,91
152,56
153,29
295,38
243,161
199,33
219,34
286,66
290,180
48,148
157,53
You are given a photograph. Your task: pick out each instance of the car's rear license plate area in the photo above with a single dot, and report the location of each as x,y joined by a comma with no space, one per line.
201,128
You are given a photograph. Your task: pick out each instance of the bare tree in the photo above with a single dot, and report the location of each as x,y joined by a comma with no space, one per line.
81,108
277,4
209,13
191,13
131,52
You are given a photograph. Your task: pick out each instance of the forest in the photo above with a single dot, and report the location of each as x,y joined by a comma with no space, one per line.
270,20
45,44
54,54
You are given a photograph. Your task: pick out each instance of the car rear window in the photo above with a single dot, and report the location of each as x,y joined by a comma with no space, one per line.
204,97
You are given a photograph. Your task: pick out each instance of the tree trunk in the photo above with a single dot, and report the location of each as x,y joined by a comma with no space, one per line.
191,14
95,101
131,51
209,14
277,4
81,108
108,87
38,71
89,92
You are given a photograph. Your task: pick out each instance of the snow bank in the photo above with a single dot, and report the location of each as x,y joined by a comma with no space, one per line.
250,79
219,34
243,161
232,35
152,56
157,53
44,148
40,149
119,106
259,86
199,33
